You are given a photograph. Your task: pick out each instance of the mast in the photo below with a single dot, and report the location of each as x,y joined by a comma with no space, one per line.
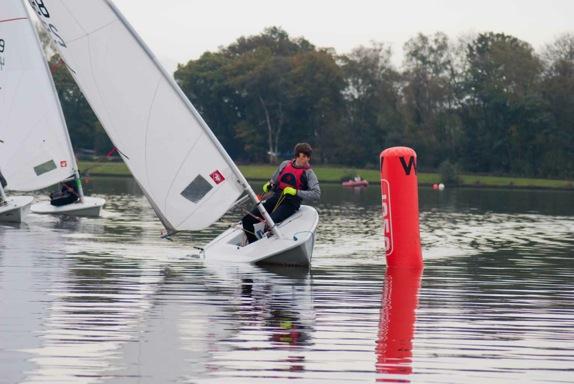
59,107
2,193
202,123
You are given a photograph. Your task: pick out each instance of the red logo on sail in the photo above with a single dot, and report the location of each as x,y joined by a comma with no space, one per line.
63,163
217,177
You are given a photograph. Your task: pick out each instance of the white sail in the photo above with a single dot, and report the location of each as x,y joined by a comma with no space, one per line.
34,143
182,168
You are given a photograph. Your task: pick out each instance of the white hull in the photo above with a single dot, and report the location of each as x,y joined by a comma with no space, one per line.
90,207
15,209
295,247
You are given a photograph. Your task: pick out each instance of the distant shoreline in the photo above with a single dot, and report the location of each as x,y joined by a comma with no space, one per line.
334,174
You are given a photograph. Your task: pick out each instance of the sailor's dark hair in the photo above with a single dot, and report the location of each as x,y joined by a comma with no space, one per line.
303,148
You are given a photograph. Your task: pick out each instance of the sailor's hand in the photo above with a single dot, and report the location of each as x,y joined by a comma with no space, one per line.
267,187
290,191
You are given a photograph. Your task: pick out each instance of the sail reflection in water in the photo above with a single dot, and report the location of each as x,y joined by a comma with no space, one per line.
274,318
396,329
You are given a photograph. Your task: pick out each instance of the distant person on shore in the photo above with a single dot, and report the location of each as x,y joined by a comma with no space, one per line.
292,183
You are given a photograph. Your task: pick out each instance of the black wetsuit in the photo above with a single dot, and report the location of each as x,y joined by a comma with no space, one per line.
68,194
278,212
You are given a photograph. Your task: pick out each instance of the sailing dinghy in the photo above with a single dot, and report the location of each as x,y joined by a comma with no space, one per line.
35,148
293,247
13,209
181,167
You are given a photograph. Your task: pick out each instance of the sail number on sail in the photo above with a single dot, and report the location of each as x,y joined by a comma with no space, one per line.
40,8
2,59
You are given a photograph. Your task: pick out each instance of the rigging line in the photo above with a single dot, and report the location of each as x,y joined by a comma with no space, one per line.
13,19
248,231
87,34
121,153
260,219
100,161
55,67
147,128
69,68
73,16
278,203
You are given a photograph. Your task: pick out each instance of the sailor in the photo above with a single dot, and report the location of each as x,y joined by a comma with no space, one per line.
3,180
68,194
292,183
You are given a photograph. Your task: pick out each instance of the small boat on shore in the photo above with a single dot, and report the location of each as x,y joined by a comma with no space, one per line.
356,182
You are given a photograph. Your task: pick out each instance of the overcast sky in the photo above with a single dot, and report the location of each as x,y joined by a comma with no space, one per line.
180,30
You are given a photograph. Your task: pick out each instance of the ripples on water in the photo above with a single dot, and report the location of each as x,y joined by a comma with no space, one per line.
107,301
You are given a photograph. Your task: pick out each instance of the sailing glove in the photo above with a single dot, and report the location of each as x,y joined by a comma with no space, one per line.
290,191
266,187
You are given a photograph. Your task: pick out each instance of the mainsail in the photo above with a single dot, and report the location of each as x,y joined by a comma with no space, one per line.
34,144
180,165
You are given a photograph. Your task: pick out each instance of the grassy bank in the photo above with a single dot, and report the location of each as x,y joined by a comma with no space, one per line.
328,174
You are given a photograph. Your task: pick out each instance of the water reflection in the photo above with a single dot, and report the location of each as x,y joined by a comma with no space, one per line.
97,300
273,315
396,328
95,308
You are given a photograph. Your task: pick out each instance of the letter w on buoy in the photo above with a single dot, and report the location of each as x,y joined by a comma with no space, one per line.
412,164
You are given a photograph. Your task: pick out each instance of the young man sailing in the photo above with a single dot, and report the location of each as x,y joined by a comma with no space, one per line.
292,183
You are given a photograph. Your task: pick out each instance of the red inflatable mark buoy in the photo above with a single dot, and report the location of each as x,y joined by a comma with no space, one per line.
400,200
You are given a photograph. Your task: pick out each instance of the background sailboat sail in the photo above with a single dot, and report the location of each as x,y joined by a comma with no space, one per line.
34,152
180,165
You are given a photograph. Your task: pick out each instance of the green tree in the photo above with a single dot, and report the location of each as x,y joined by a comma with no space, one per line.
205,83
261,73
317,115
373,119
503,110
558,91
431,78
85,129
262,80
264,93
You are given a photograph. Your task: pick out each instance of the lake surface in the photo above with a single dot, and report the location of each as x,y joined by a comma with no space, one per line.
107,301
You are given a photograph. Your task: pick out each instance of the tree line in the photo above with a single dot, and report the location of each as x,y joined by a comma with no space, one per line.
488,103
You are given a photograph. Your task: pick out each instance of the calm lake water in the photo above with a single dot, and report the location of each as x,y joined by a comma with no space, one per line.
107,301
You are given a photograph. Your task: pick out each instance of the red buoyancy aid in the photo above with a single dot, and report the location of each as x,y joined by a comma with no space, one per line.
291,176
